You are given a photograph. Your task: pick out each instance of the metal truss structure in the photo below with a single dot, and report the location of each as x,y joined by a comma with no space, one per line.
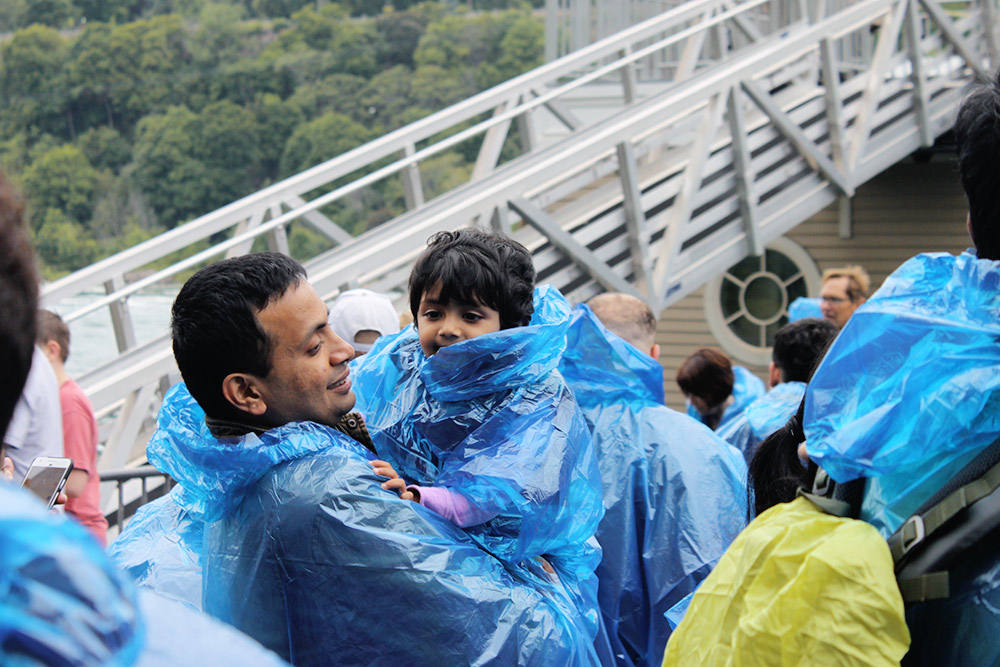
763,123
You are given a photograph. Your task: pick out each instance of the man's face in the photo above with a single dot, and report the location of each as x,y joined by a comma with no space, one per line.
835,305
309,378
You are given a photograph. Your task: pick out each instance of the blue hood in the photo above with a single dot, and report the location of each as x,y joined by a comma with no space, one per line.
909,392
770,412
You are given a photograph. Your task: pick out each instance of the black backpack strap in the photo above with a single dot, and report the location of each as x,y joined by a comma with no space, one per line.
837,499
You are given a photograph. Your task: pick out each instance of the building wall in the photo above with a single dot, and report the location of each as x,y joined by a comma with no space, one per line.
908,209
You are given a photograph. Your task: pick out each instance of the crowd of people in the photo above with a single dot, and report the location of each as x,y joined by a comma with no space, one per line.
502,483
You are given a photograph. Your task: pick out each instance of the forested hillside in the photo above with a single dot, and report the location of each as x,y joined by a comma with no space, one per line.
120,119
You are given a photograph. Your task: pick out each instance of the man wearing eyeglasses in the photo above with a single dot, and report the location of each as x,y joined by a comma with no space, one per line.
843,290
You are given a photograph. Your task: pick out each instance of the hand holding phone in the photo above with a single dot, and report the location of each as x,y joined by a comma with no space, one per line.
47,476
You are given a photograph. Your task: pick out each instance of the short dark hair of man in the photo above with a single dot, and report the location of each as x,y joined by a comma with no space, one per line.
473,266
51,327
707,374
799,345
627,317
977,140
19,296
214,324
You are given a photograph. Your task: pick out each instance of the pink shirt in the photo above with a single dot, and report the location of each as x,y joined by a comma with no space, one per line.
80,442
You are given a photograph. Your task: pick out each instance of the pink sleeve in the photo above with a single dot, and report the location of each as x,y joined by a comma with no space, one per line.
451,505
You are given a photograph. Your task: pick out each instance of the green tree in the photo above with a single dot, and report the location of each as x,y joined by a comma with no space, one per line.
105,148
61,179
32,88
321,139
54,13
63,244
398,36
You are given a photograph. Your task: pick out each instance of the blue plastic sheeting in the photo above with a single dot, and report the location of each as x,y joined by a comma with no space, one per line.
160,548
177,636
61,600
803,307
763,417
675,493
490,418
747,388
908,393
307,554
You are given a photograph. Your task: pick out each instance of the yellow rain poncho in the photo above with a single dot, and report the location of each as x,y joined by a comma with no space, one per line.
797,587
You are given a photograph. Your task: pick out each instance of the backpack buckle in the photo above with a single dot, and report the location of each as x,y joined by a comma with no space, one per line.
912,533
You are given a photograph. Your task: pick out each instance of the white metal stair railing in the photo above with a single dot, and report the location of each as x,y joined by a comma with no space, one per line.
671,190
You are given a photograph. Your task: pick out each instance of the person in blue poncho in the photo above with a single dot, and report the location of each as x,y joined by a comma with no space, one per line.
674,492
468,407
798,347
717,392
302,547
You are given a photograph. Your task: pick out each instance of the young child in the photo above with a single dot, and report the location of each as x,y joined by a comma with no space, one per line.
468,407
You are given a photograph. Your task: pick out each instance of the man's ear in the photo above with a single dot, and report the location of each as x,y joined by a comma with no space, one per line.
52,350
243,391
655,351
773,375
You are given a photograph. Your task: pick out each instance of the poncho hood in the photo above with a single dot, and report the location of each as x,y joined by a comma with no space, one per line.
910,390
216,473
615,370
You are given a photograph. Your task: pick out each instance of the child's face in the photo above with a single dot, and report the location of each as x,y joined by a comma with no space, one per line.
440,326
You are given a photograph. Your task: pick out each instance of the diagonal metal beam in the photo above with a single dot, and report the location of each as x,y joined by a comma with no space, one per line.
413,187
744,172
921,99
580,254
947,28
798,139
493,140
683,204
887,38
835,126
990,24
254,221
692,50
741,22
561,112
635,216
318,221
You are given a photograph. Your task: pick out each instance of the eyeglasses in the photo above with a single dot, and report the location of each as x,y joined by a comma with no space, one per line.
833,300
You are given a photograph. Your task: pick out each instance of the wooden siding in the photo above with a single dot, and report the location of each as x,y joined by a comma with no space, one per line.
908,209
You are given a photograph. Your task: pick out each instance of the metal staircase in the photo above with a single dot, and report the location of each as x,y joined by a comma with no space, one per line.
770,112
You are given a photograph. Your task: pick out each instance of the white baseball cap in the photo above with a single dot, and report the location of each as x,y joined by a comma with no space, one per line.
362,310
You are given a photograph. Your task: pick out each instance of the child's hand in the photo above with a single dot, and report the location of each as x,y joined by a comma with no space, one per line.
395,483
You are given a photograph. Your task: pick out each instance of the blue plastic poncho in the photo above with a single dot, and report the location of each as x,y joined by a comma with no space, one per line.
305,552
161,549
490,418
747,388
675,493
762,418
909,394
803,307
62,602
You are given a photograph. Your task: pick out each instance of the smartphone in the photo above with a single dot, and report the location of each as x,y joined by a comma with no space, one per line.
47,476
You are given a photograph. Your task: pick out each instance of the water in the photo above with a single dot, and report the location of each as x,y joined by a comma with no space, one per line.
92,338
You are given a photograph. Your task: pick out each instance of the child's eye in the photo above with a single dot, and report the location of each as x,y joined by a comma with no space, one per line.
473,317
431,314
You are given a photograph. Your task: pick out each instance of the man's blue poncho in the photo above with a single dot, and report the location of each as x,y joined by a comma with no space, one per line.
762,418
907,395
305,552
747,388
675,493
492,419
62,602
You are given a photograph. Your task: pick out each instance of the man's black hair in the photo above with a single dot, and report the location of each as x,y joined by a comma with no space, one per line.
471,265
214,324
799,345
977,139
19,296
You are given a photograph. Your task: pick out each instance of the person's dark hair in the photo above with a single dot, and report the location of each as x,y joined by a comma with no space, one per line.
52,327
214,324
799,345
707,374
977,140
19,296
775,471
472,265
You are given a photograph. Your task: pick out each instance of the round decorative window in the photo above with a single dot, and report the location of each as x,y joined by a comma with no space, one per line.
747,304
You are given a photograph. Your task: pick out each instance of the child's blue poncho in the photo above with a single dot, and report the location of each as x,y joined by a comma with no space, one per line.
491,418
747,388
762,418
305,552
908,394
675,493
